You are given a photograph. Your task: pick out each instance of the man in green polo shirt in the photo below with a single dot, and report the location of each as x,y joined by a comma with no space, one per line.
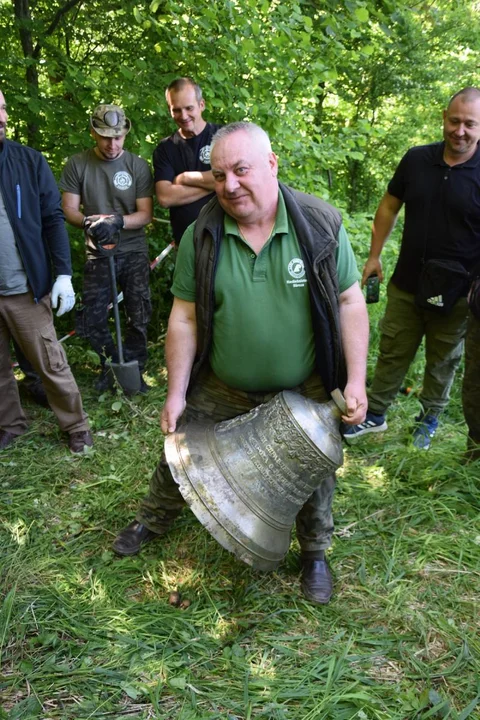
266,298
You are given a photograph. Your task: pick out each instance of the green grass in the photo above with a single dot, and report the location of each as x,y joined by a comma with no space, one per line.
84,634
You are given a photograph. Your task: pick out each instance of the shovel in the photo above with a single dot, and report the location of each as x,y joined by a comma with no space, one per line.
127,374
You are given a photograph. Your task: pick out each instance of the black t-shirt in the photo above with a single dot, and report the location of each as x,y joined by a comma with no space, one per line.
442,211
174,155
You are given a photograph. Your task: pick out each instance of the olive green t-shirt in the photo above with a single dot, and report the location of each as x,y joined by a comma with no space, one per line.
110,186
262,329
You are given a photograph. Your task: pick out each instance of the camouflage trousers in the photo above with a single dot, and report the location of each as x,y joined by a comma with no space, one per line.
471,385
132,272
403,327
214,400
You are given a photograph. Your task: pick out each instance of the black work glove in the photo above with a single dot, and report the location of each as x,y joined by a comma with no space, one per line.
104,229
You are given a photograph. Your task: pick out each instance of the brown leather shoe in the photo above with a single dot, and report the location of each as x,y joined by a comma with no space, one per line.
317,583
130,540
7,438
78,441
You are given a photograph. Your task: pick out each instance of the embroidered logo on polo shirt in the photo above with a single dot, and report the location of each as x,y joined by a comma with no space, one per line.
122,180
296,270
204,155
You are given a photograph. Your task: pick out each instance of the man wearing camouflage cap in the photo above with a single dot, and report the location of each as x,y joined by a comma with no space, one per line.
107,191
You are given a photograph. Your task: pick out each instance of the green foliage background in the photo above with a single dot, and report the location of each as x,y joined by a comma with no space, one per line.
342,87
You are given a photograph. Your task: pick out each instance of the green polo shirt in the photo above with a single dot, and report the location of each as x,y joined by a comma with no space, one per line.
262,330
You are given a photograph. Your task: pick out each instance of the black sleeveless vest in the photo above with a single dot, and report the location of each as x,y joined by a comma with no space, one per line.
317,225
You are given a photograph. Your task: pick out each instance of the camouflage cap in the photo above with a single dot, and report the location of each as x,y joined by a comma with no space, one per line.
110,121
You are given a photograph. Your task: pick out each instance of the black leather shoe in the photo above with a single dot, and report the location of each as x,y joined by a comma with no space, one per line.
7,438
317,583
130,540
104,380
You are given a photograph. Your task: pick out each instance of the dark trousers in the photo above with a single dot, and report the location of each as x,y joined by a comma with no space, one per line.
212,399
471,383
132,273
403,328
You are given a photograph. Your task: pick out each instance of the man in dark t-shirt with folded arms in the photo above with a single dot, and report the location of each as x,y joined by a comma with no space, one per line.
182,174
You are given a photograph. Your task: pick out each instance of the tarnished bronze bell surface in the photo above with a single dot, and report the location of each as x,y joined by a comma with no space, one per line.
247,478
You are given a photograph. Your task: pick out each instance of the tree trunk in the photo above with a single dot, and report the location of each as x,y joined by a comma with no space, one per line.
24,22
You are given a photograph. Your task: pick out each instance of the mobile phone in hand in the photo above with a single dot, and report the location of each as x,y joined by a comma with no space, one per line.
373,289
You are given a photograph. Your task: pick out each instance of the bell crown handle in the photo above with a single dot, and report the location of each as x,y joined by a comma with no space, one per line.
339,400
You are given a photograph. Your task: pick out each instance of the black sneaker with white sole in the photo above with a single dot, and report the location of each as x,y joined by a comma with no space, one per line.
372,424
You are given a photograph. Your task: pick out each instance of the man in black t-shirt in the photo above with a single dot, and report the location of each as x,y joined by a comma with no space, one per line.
439,184
181,162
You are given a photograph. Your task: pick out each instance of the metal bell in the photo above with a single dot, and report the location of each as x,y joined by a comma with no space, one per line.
247,478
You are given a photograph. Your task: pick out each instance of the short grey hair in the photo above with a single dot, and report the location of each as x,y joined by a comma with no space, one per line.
248,127
468,94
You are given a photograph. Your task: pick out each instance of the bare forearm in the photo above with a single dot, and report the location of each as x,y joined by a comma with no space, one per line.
195,178
180,348
354,329
73,216
137,220
134,221
383,224
174,195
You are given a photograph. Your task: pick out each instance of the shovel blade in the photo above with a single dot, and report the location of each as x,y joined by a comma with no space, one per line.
127,374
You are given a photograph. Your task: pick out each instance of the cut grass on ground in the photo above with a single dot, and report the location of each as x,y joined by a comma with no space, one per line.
84,634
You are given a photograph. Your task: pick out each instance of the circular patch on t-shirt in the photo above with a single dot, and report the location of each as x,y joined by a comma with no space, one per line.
296,268
204,154
122,180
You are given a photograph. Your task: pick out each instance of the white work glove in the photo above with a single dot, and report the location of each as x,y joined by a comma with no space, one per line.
63,289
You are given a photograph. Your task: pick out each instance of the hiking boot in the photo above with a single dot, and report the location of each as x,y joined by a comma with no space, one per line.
144,388
104,380
129,541
372,424
78,441
7,438
425,430
316,583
